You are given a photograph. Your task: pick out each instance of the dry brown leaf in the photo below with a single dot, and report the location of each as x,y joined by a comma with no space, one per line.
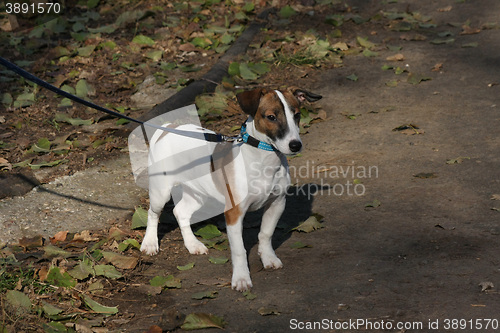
85,236
468,30
495,197
445,9
396,57
437,67
59,237
31,242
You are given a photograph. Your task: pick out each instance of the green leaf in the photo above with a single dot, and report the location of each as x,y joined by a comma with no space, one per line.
352,77
123,246
202,42
82,88
54,327
143,40
86,51
246,73
63,117
309,225
457,160
208,232
336,20
24,100
392,83
106,29
108,271
368,53
204,294
42,146
92,3
52,251
218,260
168,281
7,99
50,309
249,296
416,78
19,301
374,204
47,164
439,41
195,321
140,218
364,42
299,245
287,12
82,270
59,279
234,69
155,55
259,68
98,308
186,267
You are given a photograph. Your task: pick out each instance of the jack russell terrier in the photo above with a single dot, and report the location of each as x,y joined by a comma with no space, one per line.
244,175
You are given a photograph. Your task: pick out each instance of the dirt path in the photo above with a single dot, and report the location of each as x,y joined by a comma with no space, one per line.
418,257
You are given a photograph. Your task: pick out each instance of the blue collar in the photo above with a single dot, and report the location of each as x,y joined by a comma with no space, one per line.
245,137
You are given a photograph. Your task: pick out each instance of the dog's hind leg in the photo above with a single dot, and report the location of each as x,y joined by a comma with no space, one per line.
158,199
183,212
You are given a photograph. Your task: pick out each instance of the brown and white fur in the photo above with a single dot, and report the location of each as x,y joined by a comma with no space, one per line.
253,179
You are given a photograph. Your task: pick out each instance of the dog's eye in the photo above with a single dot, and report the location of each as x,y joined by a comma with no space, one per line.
271,117
296,116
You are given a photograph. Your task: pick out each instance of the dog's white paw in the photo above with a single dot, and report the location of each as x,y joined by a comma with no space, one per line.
270,260
241,282
150,247
196,247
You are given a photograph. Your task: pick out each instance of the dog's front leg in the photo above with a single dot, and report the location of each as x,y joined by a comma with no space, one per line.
241,274
270,219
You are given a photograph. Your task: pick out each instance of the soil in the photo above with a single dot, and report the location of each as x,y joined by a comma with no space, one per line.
405,176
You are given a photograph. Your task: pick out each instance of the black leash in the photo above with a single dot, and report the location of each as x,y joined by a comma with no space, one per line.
28,76
244,136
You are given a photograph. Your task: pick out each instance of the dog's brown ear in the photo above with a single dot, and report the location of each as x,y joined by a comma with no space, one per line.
303,95
249,100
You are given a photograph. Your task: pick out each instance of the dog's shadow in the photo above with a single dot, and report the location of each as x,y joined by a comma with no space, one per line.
298,208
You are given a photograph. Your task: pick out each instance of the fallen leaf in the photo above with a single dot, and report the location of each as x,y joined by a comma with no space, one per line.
437,67
374,204
195,321
85,236
416,78
99,308
352,77
143,40
445,9
468,30
495,197
218,260
364,42
265,311
208,232
486,285
168,281
249,295
50,309
59,237
457,160
59,279
309,225
52,251
287,12
204,294
120,261
186,267
408,129
396,57
31,242
126,244
425,175
82,270
19,301
140,218
108,271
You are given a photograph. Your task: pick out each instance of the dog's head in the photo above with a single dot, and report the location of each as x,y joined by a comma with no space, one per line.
276,113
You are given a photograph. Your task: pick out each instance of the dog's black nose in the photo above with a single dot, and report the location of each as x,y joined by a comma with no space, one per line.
295,145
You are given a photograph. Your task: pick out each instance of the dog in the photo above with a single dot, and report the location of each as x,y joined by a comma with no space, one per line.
244,175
